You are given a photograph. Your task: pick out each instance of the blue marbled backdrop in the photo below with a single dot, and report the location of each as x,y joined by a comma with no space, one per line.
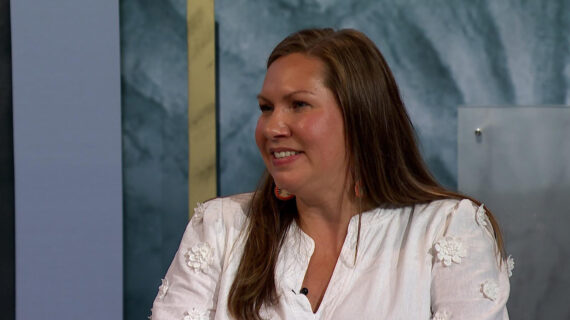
155,144
443,54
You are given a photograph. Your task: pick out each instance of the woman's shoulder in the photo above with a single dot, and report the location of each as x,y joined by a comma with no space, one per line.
449,208
229,211
453,216
237,203
465,212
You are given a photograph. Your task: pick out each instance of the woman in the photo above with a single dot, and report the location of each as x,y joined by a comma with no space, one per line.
348,222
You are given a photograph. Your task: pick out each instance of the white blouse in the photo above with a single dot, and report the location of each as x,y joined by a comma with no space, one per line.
432,261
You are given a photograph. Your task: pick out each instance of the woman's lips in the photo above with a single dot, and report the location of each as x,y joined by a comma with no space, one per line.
284,154
283,157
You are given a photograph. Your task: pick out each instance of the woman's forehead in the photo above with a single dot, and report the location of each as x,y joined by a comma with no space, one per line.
294,72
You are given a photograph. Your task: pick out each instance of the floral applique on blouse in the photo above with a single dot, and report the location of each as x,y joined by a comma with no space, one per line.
480,216
510,265
199,257
196,315
198,216
450,249
441,315
490,289
163,289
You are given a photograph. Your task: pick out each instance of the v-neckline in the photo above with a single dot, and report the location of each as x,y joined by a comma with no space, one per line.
309,245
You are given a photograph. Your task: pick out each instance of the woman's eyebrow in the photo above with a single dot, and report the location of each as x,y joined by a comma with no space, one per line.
287,96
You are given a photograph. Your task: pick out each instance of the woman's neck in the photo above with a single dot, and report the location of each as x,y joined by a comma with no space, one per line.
326,220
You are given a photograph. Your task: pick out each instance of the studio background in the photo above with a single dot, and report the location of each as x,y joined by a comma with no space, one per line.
134,133
443,55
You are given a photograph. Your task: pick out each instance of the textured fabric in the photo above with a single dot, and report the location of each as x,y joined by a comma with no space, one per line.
431,261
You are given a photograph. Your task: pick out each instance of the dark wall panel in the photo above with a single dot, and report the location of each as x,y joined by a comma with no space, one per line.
7,302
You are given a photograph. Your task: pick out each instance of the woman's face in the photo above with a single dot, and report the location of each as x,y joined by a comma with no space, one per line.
300,132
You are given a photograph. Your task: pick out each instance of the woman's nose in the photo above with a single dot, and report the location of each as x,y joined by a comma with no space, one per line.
277,125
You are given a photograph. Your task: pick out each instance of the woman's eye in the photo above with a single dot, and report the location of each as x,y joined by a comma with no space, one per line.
265,107
299,104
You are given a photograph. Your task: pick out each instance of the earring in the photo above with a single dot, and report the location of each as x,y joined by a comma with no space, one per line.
358,189
283,195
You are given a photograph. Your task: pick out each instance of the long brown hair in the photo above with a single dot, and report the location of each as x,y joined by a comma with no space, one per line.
382,152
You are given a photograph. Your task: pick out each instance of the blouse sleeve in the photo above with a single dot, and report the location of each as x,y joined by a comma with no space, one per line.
189,289
469,280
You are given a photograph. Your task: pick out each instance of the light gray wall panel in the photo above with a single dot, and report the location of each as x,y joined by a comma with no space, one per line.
67,150
520,168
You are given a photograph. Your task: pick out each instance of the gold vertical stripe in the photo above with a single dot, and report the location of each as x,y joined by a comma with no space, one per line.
201,101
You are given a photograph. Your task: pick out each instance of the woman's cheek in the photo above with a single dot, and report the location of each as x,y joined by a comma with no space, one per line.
313,126
259,134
